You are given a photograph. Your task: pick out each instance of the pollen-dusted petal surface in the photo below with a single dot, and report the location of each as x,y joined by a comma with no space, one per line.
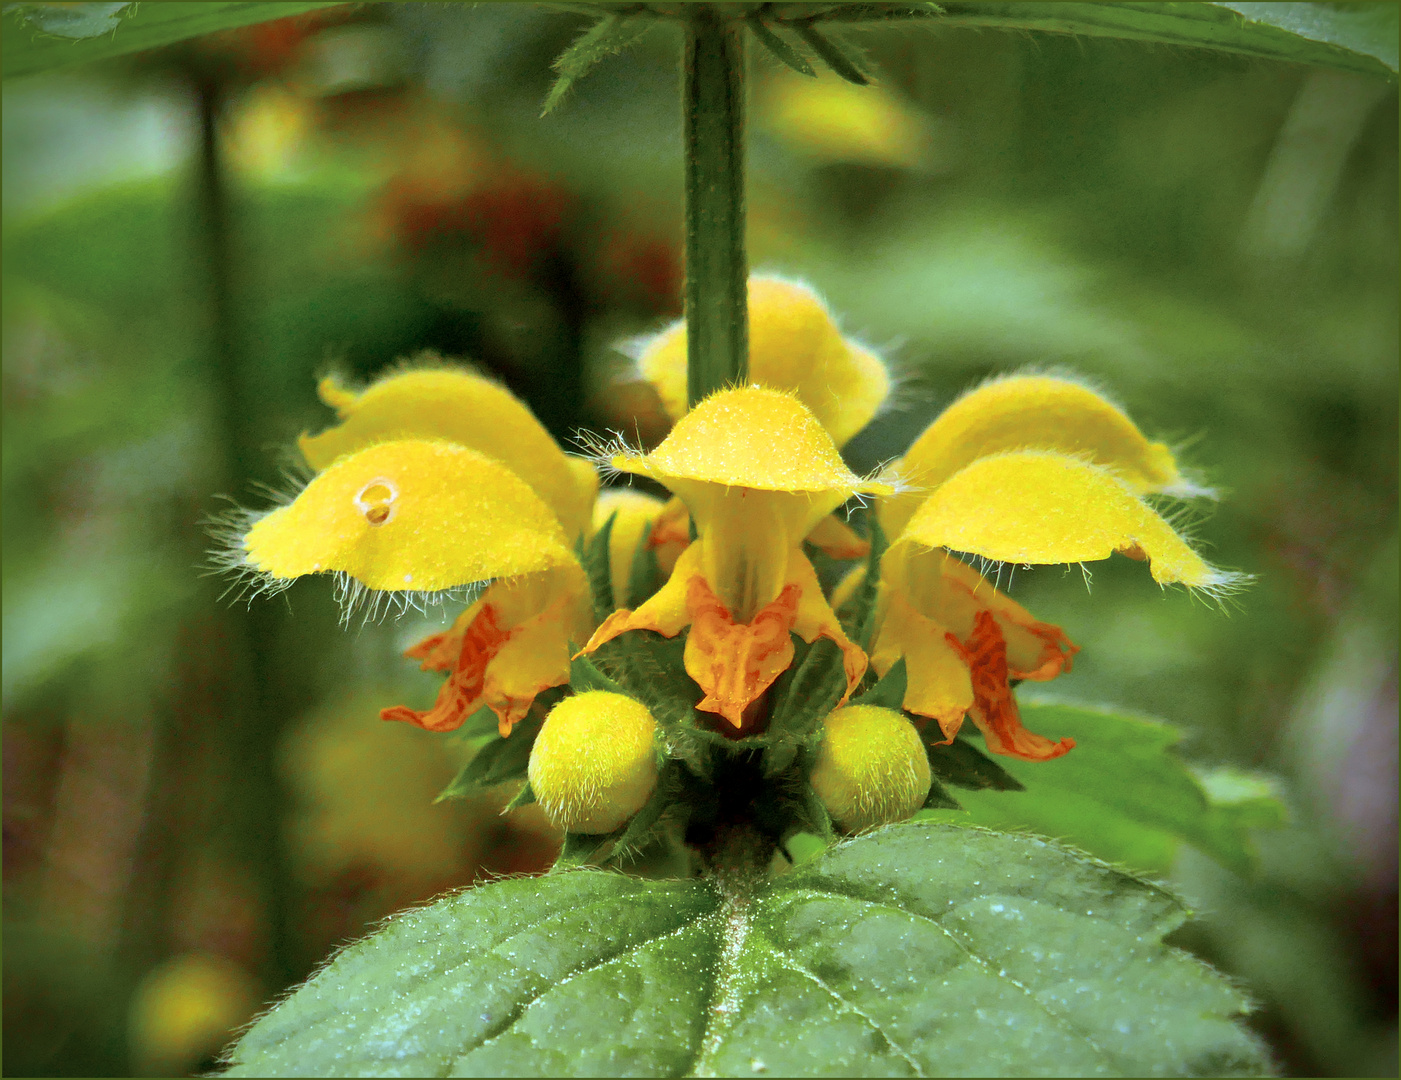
750,437
1032,412
411,515
461,407
871,767
1040,507
1039,412
593,764
794,345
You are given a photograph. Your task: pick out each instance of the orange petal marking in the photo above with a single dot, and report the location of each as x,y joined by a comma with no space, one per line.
672,526
1057,654
533,659
994,709
835,537
439,652
671,534
734,663
461,693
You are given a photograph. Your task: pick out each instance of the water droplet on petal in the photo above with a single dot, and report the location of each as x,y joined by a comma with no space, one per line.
377,500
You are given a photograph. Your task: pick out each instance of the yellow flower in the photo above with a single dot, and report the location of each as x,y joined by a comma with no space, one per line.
832,120
435,479
757,472
1026,469
634,515
460,407
794,345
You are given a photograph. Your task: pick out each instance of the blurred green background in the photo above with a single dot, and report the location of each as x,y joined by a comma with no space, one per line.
199,801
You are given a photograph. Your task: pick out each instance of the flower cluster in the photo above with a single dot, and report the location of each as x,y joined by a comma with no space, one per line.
436,478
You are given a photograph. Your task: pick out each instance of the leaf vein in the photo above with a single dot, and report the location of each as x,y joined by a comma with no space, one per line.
792,964
520,1009
1063,1021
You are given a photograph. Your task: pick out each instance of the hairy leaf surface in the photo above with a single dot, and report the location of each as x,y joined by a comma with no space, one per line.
919,949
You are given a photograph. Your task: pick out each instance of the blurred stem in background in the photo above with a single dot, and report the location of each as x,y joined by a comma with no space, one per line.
717,270
245,734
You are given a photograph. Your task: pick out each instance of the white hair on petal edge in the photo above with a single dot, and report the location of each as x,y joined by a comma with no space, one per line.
1188,485
248,583
601,450
903,377
376,604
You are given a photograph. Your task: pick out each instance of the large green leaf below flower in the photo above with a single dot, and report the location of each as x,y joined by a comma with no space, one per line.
919,950
1123,794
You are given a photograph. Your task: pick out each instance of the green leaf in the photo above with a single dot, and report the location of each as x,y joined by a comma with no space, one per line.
915,950
1355,37
889,690
75,21
579,849
938,798
609,35
524,797
644,572
495,763
837,55
29,49
1121,794
806,692
1253,801
1365,29
584,675
939,952
598,567
857,13
480,723
779,49
858,614
962,764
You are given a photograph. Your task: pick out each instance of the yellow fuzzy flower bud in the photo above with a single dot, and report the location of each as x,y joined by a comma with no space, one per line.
871,769
593,765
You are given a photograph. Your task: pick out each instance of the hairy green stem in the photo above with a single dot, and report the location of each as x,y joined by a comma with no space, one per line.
717,271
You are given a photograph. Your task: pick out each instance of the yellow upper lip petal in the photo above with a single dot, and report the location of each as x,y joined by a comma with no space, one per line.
751,437
1033,412
411,515
1033,506
794,345
461,407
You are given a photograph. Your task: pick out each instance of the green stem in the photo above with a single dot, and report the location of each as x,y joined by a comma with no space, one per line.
717,271
247,733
